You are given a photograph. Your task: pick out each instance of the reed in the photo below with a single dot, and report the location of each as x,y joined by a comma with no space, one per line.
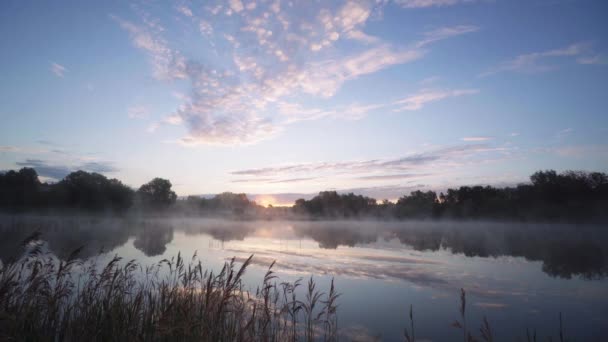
45,299
485,331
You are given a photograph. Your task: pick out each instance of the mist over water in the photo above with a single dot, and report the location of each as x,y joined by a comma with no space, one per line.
518,275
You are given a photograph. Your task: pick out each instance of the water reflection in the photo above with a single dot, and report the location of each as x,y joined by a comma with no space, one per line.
152,238
564,250
63,235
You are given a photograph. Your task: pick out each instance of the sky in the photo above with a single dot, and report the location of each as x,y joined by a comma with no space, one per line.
290,98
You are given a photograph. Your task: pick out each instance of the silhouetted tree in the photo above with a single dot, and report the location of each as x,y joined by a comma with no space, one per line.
571,195
417,205
20,189
92,191
332,204
157,194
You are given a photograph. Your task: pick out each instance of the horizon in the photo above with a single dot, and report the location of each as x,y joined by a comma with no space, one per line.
273,98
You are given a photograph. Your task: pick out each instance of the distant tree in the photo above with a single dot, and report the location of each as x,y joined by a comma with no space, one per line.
299,206
549,196
417,205
19,189
157,194
92,191
333,205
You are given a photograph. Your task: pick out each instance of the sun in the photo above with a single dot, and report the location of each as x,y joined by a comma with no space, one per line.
266,200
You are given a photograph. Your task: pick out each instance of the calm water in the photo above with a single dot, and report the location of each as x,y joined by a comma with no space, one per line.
518,275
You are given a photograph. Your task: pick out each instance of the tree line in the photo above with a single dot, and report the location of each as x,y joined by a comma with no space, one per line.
571,195
80,190
551,196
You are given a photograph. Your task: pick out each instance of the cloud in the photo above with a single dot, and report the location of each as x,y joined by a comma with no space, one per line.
590,60
294,112
417,101
58,69
185,10
445,33
536,62
430,3
252,180
46,142
576,151
167,63
476,138
293,180
152,127
405,163
326,77
6,148
99,167
392,176
57,172
236,5
205,28
347,21
272,180
564,133
138,112
362,37
23,149
271,59
207,127
44,169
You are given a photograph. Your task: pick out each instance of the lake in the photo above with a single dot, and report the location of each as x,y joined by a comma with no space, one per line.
519,276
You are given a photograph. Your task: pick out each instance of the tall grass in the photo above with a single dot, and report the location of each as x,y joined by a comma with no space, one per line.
45,299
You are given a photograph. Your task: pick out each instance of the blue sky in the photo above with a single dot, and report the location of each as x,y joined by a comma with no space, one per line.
271,97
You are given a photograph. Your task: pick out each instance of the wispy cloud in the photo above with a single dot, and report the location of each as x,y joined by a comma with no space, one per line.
167,63
477,138
445,33
6,148
564,133
252,180
185,10
58,69
595,59
138,112
379,167
273,180
293,180
54,171
420,99
431,3
392,177
598,151
23,149
538,61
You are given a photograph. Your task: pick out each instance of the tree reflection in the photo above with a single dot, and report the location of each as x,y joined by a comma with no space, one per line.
565,251
63,236
152,238
330,237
